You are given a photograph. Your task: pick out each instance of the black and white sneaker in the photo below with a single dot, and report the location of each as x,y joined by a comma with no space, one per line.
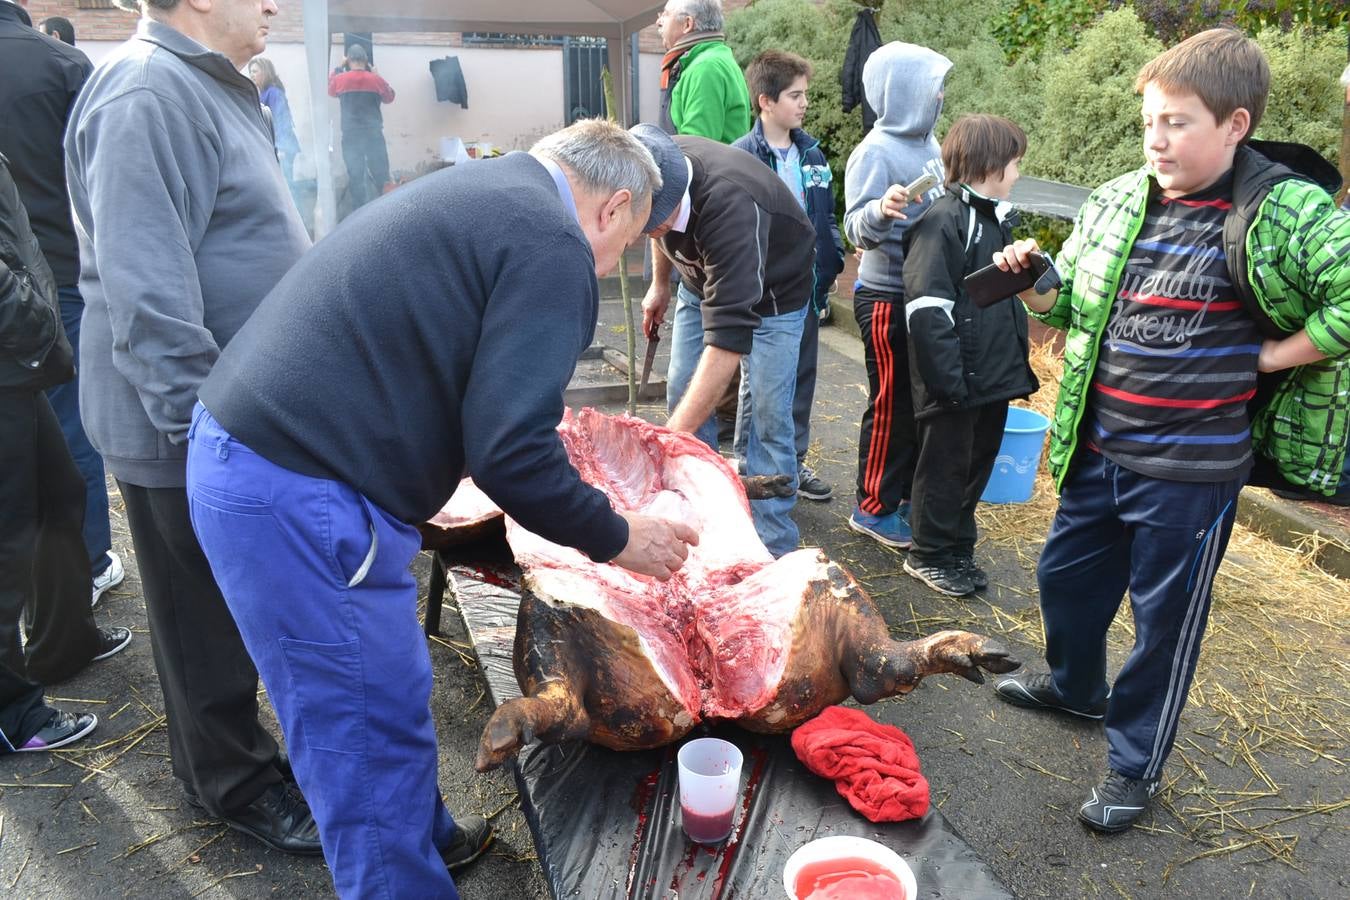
978,577
950,580
473,835
1039,692
112,641
61,729
812,486
1116,803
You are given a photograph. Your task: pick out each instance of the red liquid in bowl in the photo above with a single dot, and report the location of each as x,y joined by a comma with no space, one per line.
848,878
707,829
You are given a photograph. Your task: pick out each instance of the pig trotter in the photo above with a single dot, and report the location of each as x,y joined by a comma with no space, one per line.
765,487
553,715
965,654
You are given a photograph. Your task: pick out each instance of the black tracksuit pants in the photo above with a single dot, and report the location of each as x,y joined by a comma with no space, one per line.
956,457
886,446
44,567
805,394
210,686
22,711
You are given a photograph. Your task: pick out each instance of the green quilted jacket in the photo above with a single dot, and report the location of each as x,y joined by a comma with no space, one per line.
1297,263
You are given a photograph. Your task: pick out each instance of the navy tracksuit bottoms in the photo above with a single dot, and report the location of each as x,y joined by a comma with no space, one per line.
1163,541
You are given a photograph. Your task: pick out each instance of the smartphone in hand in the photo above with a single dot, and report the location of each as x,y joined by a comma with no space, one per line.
991,284
920,186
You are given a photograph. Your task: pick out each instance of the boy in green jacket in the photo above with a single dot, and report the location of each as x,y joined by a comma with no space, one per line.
1182,281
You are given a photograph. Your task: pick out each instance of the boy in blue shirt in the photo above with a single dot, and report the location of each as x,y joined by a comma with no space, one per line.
778,84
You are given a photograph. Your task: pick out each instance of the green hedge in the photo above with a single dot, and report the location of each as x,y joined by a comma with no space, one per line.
1072,90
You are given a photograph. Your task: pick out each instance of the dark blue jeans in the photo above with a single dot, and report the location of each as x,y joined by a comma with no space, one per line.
65,400
1163,541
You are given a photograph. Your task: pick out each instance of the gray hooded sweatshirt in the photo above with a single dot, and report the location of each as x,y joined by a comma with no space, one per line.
903,83
184,222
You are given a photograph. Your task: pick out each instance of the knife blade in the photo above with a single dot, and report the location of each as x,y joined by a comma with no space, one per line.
653,340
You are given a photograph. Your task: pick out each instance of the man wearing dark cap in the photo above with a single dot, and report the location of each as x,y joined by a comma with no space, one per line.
744,250
435,342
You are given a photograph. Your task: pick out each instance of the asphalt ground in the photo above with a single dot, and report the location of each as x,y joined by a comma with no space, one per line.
107,819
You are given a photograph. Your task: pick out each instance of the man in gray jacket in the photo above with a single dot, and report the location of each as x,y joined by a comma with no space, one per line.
184,223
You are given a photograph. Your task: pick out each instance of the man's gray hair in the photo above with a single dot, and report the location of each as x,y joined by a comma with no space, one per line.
147,5
604,157
707,14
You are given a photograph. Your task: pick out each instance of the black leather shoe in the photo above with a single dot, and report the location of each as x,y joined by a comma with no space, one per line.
280,818
282,762
473,835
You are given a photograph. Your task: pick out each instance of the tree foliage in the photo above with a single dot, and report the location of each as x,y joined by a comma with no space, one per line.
1306,99
1074,92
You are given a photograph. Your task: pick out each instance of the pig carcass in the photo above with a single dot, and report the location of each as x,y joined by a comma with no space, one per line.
630,663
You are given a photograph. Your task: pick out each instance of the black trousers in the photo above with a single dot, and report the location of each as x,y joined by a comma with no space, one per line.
22,712
956,457
210,685
886,447
44,567
805,395
367,158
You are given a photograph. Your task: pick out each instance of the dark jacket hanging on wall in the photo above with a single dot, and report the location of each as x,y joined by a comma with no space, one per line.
864,39
449,78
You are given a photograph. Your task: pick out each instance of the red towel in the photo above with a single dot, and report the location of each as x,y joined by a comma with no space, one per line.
873,766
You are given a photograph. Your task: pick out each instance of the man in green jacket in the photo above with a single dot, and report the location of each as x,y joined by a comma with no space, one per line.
1183,282
702,89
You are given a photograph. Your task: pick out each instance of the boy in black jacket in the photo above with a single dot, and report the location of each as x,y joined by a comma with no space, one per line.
778,83
966,362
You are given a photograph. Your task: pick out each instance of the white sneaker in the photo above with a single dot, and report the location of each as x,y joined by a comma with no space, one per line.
111,577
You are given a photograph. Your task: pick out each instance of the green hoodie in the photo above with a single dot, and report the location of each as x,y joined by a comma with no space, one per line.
1298,267
711,99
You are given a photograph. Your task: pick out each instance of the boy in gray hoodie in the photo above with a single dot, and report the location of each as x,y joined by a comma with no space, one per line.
903,83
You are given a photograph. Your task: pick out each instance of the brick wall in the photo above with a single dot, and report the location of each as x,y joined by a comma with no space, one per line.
113,24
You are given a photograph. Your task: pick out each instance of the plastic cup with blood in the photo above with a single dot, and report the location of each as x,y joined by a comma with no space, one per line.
710,785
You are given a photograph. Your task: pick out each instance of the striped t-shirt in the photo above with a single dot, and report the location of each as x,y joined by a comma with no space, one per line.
1177,362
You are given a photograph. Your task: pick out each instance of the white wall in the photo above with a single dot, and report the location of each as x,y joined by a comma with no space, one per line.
515,97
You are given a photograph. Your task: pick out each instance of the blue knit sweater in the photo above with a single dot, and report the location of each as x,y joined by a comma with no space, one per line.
431,336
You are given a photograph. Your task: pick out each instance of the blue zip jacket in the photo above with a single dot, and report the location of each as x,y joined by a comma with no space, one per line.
816,178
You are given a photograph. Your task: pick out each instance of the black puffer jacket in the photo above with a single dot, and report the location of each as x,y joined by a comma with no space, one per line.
34,352
959,354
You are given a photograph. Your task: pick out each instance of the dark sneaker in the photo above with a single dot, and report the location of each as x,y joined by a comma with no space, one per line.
112,641
1039,692
978,577
950,580
812,486
281,819
891,529
473,835
1116,803
109,578
61,729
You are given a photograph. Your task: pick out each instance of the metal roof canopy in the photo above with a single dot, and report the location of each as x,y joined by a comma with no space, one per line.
615,20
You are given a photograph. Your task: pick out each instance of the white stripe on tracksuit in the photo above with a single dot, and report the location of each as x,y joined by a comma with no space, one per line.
1191,628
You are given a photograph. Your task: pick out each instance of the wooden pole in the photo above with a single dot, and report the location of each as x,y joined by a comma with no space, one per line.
630,327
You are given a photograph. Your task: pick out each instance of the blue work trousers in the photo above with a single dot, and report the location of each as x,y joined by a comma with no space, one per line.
65,400
1116,529
770,372
317,578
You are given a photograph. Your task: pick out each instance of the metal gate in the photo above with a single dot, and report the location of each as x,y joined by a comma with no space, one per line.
583,90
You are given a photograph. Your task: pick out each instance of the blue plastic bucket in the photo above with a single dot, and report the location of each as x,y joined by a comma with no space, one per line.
1019,456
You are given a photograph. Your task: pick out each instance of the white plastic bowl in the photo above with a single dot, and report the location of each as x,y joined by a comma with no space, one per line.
846,847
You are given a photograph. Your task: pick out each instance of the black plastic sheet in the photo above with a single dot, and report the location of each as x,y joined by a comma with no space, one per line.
607,824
